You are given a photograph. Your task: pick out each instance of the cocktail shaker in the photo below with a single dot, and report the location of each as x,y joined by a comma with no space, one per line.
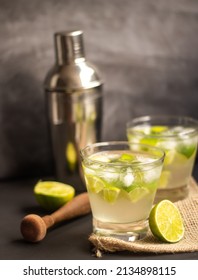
74,105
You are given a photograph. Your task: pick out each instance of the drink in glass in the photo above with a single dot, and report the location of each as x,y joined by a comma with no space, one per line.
121,181
177,136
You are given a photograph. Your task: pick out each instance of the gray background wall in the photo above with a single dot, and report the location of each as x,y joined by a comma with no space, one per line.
146,51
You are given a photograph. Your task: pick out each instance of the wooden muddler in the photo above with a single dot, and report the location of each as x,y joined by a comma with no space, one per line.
34,227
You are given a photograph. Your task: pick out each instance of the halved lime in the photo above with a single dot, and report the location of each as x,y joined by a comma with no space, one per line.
94,183
110,194
166,222
51,195
137,193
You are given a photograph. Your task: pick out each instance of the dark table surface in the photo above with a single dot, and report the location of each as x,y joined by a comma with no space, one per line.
66,241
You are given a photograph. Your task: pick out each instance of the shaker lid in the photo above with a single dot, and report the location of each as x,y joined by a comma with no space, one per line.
69,46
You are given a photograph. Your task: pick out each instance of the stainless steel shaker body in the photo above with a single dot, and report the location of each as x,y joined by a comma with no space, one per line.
74,104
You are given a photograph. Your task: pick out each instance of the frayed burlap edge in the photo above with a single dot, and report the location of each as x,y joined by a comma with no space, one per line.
189,211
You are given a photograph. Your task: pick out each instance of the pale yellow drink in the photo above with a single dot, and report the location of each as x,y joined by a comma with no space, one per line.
179,141
122,184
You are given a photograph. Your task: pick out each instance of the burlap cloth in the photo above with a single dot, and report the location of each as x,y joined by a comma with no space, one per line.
189,211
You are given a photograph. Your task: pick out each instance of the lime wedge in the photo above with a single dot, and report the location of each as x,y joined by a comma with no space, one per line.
137,194
127,158
166,222
169,157
71,156
152,187
94,184
187,151
158,129
164,179
110,194
149,141
173,157
51,195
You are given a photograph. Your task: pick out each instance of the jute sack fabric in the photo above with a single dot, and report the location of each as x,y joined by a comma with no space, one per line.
189,211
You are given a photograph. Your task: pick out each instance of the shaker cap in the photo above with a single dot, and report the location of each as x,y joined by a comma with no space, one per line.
69,46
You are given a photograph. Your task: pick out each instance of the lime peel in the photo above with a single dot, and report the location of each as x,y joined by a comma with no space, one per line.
166,222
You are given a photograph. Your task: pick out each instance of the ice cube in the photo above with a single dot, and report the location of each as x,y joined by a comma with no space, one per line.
168,145
101,158
144,129
110,175
127,177
186,131
113,157
180,130
152,174
144,159
175,130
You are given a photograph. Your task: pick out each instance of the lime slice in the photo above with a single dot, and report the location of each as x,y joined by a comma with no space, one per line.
94,184
152,187
71,156
110,194
51,195
186,150
158,129
166,222
164,179
169,157
173,157
149,141
137,194
127,158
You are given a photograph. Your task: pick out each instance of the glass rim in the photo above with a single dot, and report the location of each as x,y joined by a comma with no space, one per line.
179,121
114,143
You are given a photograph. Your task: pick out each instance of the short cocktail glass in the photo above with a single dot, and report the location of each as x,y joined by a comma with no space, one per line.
177,136
121,180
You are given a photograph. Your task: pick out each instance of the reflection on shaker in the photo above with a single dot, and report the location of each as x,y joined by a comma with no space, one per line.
74,104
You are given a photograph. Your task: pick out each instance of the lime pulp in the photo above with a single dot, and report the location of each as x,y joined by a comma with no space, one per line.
51,195
166,222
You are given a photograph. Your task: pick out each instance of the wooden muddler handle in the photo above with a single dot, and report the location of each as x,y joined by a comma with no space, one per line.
34,227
